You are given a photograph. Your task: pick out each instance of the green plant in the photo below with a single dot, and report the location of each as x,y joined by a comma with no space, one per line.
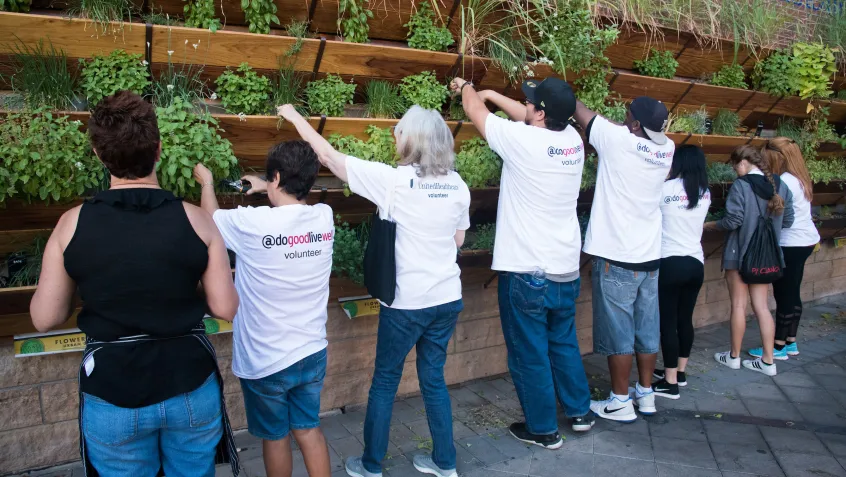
692,122
725,123
29,274
348,248
41,76
329,95
720,173
352,20
16,6
833,27
423,34
775,74
477,164
824,171
479,23
299,30
200,14
46,157
188,139
814,69
752,22
456,110
424,90
106,75
841,94
158,18
379,146
383,100
731,76
508,53
659,64
244,91
482,238
287,88
183,80
715,214
259,15
102,13
589,172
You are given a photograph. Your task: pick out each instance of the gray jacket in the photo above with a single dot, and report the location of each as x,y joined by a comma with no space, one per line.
742,217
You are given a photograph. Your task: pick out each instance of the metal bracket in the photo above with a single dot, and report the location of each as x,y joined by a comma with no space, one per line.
148,51
319,58
454,70
322,124
455,5
616,75
689,135
311,9
457,128
323,193
490,280
145,6
745,102
684,48
775,104
689,87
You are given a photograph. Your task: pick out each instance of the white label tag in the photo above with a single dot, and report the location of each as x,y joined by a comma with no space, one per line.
89,365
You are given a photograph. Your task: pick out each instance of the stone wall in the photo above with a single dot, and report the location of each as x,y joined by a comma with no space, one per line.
38,395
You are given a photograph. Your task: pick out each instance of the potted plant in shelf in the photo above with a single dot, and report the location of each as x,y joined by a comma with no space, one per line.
41,77
329,96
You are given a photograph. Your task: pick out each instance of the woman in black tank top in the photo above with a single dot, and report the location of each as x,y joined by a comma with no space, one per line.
150,391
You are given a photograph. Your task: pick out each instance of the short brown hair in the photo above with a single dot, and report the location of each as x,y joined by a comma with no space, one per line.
124,131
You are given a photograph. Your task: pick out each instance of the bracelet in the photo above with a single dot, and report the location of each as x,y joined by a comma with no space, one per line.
466,83
206,184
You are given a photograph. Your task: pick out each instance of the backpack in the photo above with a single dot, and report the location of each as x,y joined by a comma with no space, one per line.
763,261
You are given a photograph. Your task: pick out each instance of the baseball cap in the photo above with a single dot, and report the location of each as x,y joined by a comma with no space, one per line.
652,115
553,96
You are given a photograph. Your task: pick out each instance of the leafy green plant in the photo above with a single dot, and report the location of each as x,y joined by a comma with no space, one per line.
287,88
45,157
383,100
589,172
329,95
259,15
102,13
244,91
477,164
106,75
158,18
299,30
379,147
715,214
456,110
693,122
824,171
200,14
352,20
776,74
32,254
424,90
720,173
832,28
731,76
183,80
508,53
188,139
41,76
841,94
423,34
348,248
814,67
725,123
482,238
15,6
659,64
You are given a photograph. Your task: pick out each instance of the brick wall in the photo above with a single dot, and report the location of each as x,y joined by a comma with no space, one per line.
38,395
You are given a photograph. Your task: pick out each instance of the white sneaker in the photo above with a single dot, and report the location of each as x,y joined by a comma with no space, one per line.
645,403
759,366
725,359
614,409
355,468
425,464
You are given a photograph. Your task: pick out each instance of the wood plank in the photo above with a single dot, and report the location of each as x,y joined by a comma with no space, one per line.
12,241
630,86
20,323
76,37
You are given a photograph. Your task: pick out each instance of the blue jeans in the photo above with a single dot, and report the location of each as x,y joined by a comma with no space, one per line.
626,319
399,331
179,435
539,325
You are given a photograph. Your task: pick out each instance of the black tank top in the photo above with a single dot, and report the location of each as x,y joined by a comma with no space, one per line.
137,262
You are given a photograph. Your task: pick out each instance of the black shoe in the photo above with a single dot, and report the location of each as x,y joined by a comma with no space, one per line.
547,441
682,379
584,423
664,389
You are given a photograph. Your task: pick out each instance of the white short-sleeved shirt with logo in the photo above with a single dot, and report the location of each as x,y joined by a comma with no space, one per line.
682,227
625,217
428,211
536,224
283,262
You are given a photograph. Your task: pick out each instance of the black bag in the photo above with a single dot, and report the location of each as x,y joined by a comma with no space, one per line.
380,260
763,261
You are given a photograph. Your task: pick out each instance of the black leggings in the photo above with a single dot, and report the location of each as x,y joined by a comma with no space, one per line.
786,291
679,282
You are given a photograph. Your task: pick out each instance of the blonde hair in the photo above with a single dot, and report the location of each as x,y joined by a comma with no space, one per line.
753,156
424,140
784,155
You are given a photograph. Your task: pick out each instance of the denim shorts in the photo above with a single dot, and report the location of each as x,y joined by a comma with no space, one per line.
625,310
286,400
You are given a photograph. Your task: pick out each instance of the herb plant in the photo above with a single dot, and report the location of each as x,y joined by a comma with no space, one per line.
477,164
259,15
383,100
159,18
379,146
659,64
329,95
45,157
348,248
200,14
29,274
352,20
731,76
720,173
775,74
508,53
106,75
814,68
42,77
244,92
287,88
482,238
589,172
299,30
15,6
187,139
824,171
424,90
102,12
692,122
183,80
725,123
423,34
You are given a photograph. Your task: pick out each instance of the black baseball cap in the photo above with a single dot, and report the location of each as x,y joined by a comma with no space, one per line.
553,96
652,116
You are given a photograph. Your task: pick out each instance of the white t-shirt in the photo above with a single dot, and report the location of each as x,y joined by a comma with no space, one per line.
681,234
536,223
284,258
428,211
802,233
625,217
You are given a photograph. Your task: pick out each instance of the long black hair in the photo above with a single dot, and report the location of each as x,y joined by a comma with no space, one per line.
689,165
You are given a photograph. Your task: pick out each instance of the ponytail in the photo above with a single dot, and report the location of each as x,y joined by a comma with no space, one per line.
752,155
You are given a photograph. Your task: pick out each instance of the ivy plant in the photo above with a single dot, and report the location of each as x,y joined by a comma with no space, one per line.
45,157
725,123
659,64
259,14
348,248
352,20
477,164
200,14
329,95
244,91
731,76
187,139
814,67
106,75
424,90
423,34
775,74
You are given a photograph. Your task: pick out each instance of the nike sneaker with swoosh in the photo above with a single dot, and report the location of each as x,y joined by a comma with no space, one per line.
614,409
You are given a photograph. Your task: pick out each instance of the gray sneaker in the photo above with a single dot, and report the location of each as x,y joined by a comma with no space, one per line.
356,469
425,464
